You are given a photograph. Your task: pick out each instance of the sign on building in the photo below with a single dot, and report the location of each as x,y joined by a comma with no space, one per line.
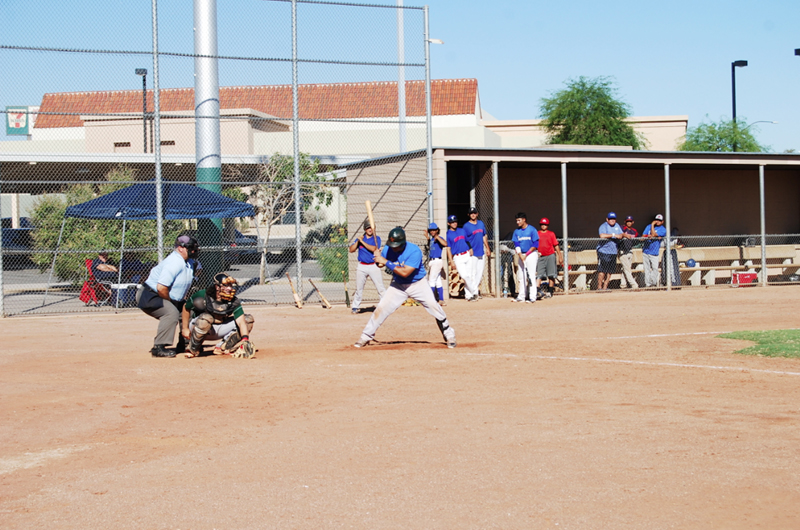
20,120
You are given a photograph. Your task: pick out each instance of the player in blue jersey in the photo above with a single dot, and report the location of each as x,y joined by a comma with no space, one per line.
479,242
404,260
526,244
458,252
436,245
366,246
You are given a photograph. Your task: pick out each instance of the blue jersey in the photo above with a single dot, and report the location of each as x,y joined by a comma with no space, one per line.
475,233
364,255
436,248
457,241
410,257
651,246
526,238
608,246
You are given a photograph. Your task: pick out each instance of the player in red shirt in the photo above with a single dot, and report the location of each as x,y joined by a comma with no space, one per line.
548,252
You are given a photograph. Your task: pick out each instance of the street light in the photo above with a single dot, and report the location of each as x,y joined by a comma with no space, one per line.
143,72
758,122
734,64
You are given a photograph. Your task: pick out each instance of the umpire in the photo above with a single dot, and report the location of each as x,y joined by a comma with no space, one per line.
162,295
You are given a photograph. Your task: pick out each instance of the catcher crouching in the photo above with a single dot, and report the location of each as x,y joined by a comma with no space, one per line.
216,314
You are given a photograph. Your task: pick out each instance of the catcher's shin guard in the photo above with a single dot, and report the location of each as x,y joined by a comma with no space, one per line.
202,326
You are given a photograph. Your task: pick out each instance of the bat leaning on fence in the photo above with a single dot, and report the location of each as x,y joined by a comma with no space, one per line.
346,291
325,302
297,300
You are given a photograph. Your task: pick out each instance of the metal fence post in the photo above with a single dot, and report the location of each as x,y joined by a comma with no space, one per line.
764,272
498,277
667,240
296,152
565,224
428,124
2,289
157,138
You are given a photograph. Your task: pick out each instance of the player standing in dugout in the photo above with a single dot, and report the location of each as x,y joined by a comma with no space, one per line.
409,280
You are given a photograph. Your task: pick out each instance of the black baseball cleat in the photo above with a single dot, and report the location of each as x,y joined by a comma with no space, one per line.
160,351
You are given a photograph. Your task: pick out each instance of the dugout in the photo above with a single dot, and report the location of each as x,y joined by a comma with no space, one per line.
705,194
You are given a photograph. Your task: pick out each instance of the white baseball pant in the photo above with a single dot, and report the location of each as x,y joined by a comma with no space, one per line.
650,270
626,260
435,273
527,271
396,294
476,273
363,272
461,261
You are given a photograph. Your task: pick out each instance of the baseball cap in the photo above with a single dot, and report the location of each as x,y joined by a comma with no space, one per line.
452,218
659,217
473,210
611,215
629,218
433,226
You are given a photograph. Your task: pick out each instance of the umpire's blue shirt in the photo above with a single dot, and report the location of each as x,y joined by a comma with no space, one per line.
174,272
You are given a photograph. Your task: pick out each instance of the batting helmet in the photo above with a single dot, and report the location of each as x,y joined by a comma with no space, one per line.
397,237
225,286
544,221
452,219
691,263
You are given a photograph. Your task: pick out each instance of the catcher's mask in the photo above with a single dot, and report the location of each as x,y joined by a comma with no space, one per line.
189,243
397,237
225,287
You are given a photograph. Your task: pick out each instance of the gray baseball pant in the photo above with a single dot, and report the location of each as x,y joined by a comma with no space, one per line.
362,273
396,294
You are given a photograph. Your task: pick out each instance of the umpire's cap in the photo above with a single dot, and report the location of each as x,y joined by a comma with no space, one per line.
397,237
187,242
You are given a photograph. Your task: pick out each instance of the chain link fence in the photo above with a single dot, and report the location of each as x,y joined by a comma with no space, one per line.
303,101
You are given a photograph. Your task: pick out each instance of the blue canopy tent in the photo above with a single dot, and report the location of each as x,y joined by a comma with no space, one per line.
138,202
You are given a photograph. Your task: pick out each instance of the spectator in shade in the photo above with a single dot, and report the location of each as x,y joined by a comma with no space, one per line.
626,254
610,233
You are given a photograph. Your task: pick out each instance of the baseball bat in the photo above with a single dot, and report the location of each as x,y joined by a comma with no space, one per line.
297,300
346,290
325,302
368,204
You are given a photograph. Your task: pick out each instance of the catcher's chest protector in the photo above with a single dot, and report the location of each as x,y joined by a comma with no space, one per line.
221,311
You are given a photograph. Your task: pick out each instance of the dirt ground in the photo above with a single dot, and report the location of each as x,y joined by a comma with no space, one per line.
619,410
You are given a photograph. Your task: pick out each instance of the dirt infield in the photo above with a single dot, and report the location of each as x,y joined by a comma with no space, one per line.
597,411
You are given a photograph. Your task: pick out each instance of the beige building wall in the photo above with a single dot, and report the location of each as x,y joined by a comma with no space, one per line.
402,205
662,133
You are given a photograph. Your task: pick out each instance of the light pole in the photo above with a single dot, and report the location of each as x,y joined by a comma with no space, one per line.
734,64
143,72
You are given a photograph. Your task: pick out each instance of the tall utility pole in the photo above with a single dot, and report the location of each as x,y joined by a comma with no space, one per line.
208,162
735,64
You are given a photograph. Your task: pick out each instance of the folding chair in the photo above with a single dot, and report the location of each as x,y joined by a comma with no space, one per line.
94,290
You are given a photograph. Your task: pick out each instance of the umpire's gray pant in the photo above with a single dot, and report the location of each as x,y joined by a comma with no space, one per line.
168,316
363,272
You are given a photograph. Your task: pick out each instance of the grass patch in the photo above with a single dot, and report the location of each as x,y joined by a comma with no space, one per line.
777,343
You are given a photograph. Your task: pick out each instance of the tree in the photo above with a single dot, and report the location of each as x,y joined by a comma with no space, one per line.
720,137
587,112
273,192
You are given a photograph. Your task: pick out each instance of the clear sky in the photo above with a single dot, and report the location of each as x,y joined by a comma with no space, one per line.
666,58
